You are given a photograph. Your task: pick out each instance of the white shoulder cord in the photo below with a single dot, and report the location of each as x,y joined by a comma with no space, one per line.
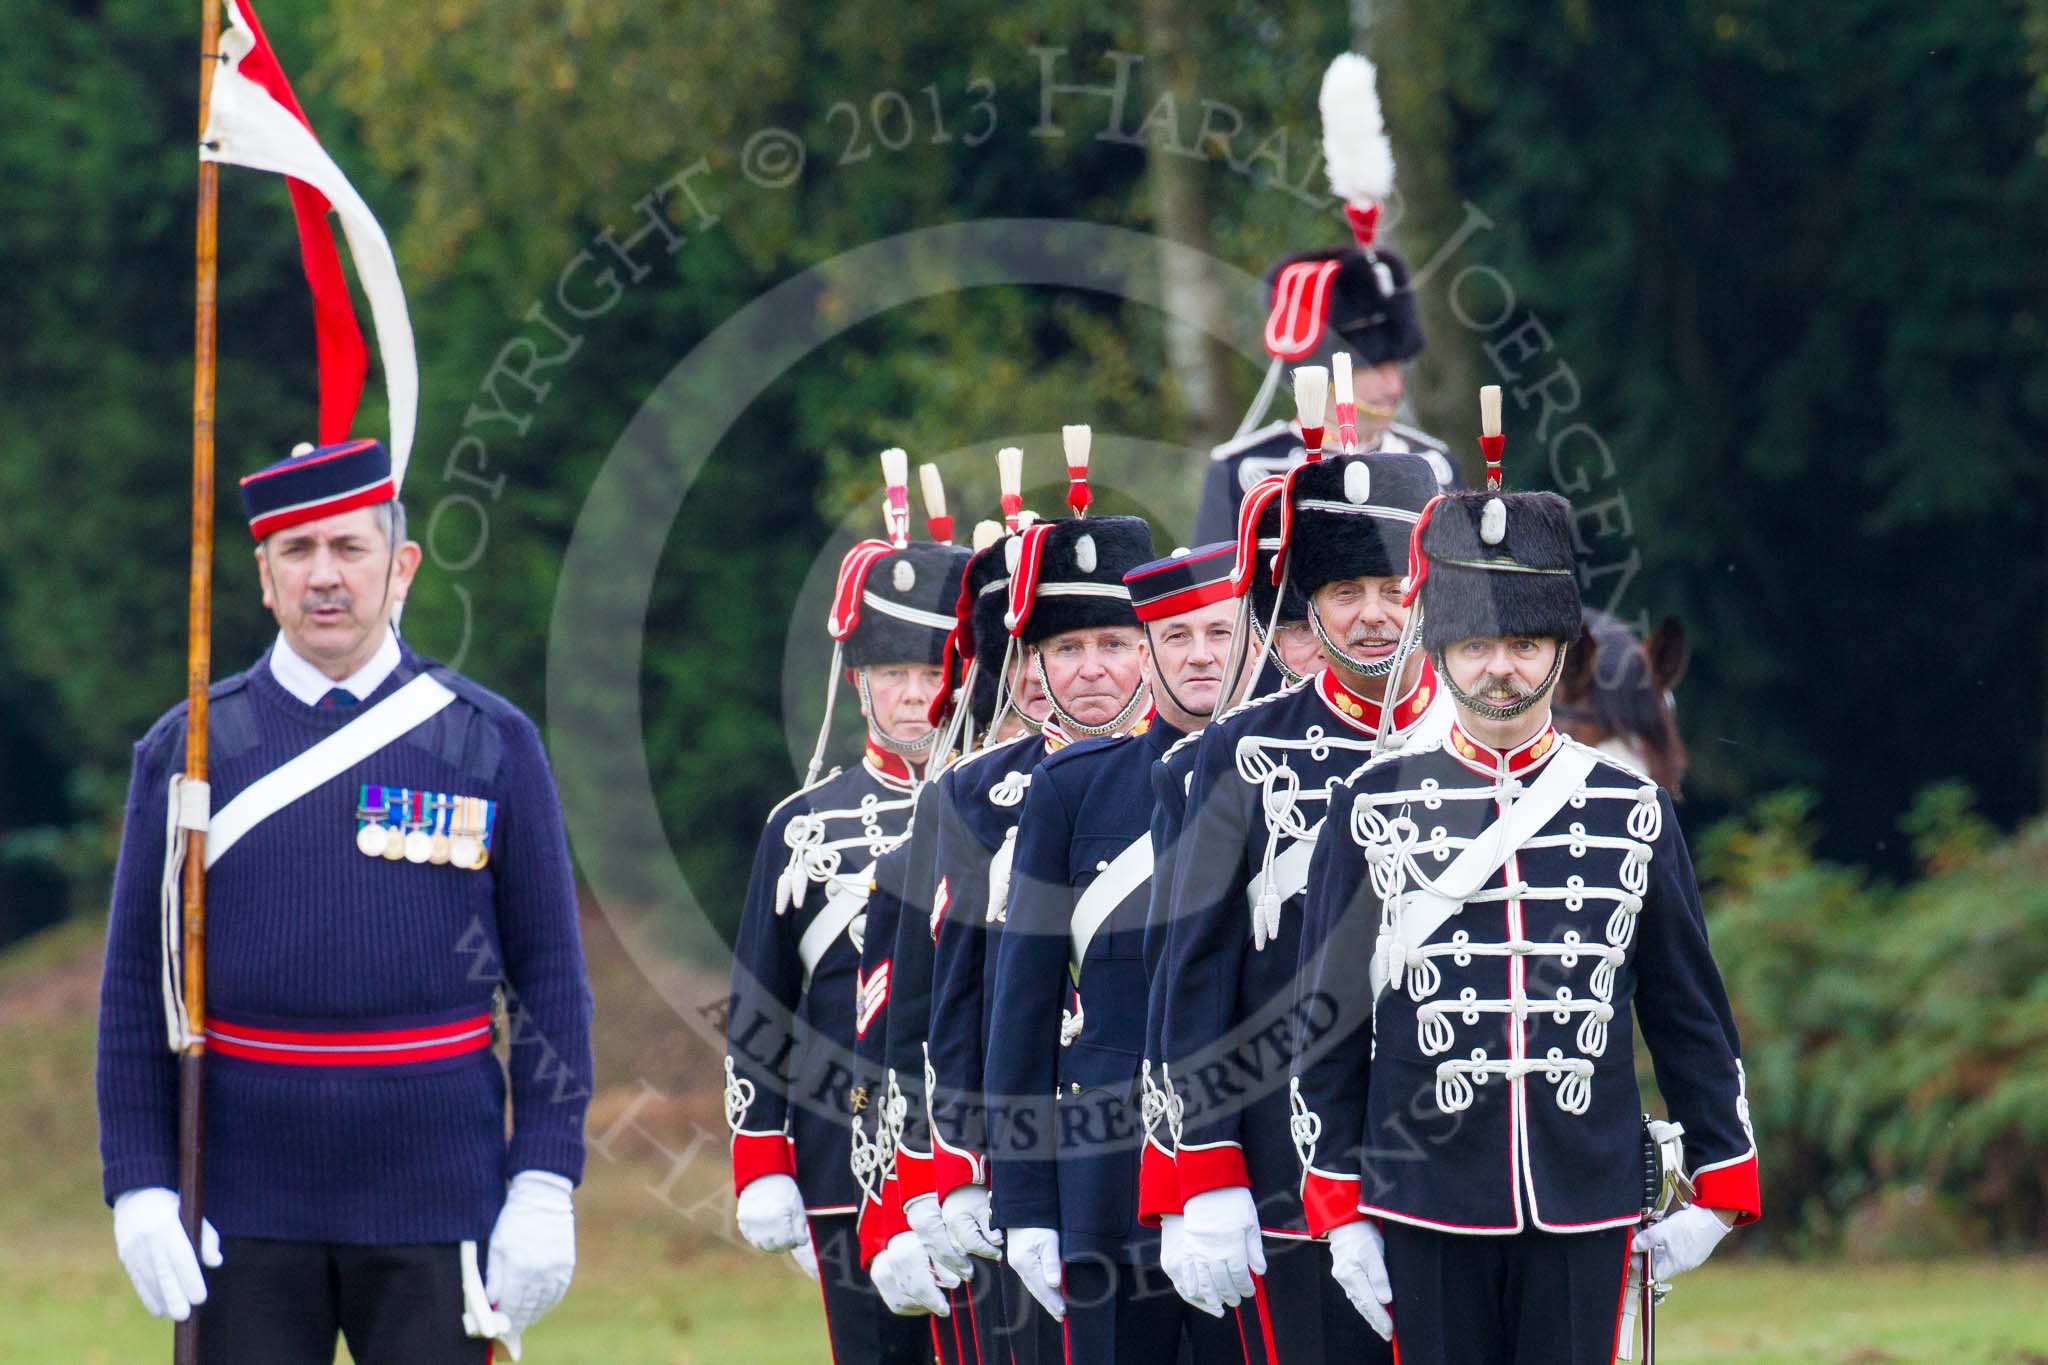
825,726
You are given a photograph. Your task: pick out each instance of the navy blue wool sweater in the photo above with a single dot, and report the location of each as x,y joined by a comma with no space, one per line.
305,934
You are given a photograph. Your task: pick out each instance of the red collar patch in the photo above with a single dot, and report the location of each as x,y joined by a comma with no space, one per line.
1524,758
1363,713
890,768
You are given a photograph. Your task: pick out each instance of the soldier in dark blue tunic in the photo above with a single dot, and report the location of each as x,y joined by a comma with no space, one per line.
1073,937
1489,905
797,996
897,953
1257,794
1348,305
1063,575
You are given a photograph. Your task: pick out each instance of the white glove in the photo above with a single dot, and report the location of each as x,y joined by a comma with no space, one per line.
967,1218
158,1254
806,1257
1682,1241
533,1248
1035,1256
771,1215
1358,1263
1173,1259
928,1221
1224,1246
909,1283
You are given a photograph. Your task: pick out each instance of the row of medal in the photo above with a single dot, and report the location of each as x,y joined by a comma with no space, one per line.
424,826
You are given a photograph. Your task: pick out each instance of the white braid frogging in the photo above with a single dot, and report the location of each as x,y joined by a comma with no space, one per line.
1262,763
1384,827
739,1097
814,859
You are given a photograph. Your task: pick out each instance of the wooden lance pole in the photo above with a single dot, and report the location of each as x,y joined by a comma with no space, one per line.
198,667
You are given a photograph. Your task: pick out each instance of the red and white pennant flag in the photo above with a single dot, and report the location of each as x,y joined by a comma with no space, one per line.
254,120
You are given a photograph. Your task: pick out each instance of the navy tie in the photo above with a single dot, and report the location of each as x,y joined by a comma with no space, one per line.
337,696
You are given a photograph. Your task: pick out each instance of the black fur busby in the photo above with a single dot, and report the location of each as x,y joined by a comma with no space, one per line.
1366,307
1499,564
1074,572
1350,517
987,586
906,606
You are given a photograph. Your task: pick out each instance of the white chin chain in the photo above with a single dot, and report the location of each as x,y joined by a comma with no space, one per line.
1496,710
1359,666
1077,728
916,748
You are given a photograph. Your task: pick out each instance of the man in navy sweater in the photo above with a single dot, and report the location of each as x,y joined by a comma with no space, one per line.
362,928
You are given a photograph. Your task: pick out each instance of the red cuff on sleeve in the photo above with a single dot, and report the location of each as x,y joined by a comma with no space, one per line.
913,1174
879,1222
757,1154
1330,1201
951,1169
1202,1169
1158,1184
1731,1187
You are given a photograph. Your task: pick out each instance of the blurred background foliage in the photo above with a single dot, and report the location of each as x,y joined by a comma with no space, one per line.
1779,257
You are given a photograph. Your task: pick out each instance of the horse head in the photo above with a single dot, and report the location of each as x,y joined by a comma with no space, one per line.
1616,695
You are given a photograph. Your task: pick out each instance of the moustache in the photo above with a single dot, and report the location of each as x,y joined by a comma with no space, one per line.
1502,688
1370,639
332,597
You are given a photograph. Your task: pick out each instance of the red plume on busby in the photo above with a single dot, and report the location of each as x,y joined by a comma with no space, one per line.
1077,440
936,523
1010,477
1345,399
896,495
1311,406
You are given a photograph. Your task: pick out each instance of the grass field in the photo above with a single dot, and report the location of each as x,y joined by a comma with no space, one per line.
662,1279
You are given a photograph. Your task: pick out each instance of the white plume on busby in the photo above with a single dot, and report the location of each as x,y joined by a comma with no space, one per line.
1356,152
1356,297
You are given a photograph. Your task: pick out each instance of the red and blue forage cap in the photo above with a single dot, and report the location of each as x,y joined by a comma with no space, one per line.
1183,581
322,482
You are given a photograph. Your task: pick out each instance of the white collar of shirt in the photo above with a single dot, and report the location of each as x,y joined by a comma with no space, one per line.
309,684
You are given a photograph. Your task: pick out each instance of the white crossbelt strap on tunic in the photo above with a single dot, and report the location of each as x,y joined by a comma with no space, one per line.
843,905
1126,872
398,714
1423,912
